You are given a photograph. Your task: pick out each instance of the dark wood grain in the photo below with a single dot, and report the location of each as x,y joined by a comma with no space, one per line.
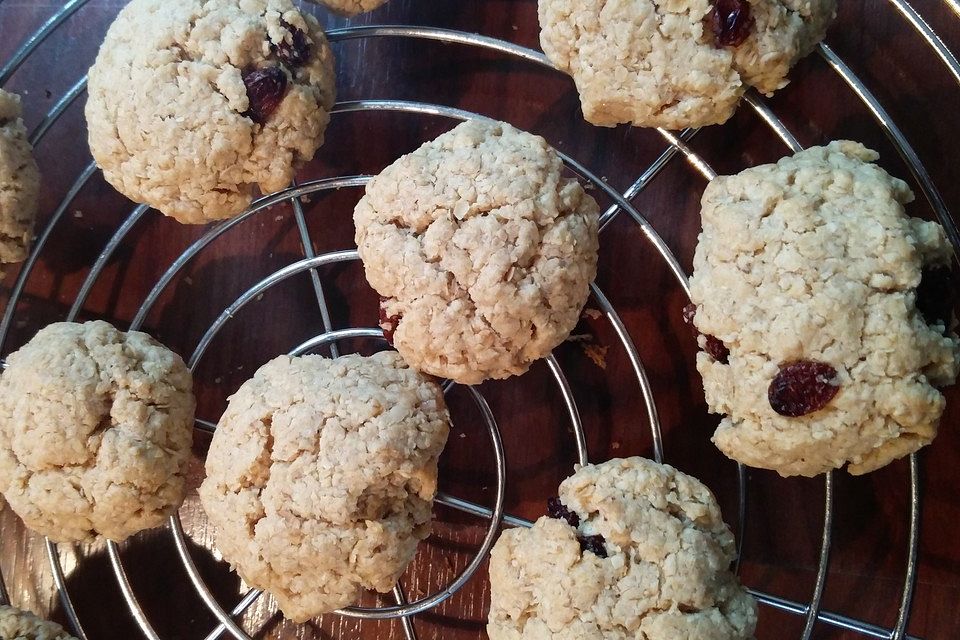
783,528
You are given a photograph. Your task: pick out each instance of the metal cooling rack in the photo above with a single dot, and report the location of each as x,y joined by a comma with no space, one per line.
495,515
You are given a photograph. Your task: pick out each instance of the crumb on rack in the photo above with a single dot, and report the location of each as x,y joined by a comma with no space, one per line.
597,353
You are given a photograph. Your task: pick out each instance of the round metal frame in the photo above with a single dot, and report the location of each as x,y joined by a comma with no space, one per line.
811,611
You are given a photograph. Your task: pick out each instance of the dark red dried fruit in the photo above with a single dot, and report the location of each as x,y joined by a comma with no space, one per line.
802,387
593,544
717,350
388,323
558,510
265,90
730,21
936,295
295,52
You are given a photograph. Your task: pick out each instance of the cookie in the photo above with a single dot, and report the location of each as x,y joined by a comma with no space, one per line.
481,249
677,64
193,103
19,182
95,431
632,549
321,477
824,331
350,7
23,625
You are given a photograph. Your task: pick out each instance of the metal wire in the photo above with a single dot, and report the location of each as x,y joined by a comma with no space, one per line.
678,146
37,38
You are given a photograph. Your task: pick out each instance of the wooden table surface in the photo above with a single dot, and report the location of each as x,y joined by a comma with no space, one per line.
784,516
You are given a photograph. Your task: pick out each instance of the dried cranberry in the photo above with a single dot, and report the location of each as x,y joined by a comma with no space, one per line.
593,544
558,510
802,387
730,21
295,52
388,323
717,350
265,90
935,295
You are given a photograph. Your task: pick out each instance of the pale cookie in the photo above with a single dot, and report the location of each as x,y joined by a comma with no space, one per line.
19,182
23,625
95,431
350,7
193,103
634,549
321,477
813,260
482,250
676,64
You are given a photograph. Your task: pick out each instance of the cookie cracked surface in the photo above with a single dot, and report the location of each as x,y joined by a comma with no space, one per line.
481,249
171,121
666,574
19,182
95,431
654,63
321,477
814,259
16,624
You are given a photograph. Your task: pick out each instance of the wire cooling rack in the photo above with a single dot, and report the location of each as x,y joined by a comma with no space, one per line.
228,614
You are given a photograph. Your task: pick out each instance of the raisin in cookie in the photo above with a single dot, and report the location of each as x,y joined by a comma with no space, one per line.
350,7
677,64
193,102
632,549
321,477
16,624
19,182
95,431
816,345
482,251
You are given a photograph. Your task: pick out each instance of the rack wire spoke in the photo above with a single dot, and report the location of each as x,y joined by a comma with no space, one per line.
38,37
308,252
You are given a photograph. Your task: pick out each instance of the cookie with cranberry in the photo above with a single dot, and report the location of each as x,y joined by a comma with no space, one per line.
195,103
677,64
832,309
630,549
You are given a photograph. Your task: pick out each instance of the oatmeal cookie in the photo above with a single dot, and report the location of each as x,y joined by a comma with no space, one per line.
321,477
23,625
95,431
632,549
821,345
482,251
677,64
193,102
350,7
19,182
